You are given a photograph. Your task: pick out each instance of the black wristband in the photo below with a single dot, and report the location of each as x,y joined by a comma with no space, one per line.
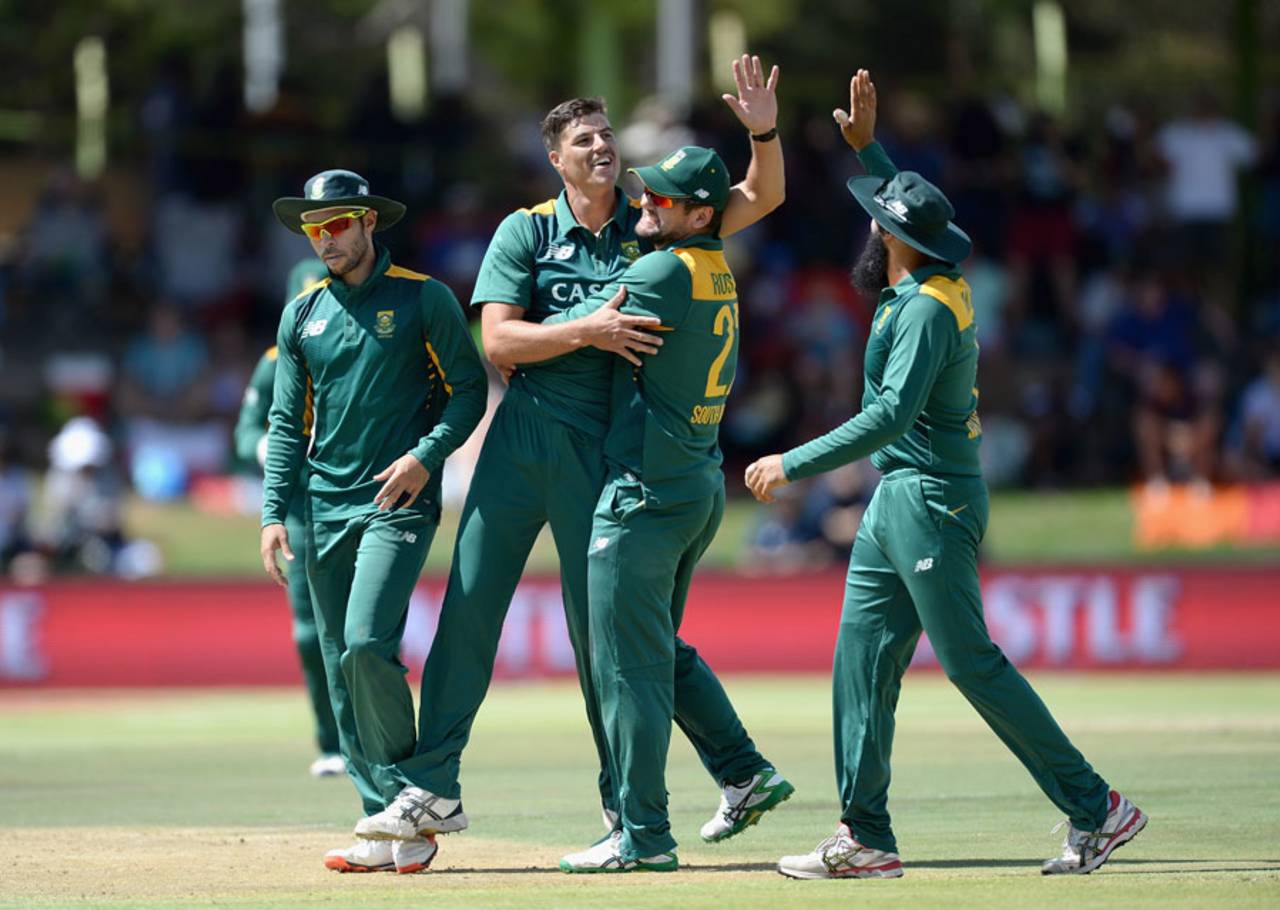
765,137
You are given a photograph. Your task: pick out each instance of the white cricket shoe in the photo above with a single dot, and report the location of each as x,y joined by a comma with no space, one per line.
841,856
605,855
362,856
414,812
413,855
742,805
328,766
1084,851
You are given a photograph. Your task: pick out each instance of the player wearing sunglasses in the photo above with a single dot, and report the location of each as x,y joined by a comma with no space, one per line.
377,381
543,460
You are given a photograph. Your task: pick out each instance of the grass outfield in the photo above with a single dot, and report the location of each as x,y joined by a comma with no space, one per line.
1086,526
180,799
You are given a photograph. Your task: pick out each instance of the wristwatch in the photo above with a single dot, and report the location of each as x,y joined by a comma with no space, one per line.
765,137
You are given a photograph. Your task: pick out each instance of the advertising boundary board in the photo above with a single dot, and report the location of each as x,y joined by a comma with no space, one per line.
210,633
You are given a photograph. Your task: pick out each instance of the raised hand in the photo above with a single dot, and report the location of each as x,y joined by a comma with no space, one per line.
756,105
858,125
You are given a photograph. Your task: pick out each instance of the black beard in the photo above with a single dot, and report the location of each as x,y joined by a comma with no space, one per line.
659,239
871,269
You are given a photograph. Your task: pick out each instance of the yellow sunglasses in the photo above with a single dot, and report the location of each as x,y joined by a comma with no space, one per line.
333,226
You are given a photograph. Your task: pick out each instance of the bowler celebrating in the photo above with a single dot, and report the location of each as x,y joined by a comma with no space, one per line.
914,563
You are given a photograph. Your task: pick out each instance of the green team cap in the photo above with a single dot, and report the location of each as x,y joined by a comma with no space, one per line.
304,276
693,173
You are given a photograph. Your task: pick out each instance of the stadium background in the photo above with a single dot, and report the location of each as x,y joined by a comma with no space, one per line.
1130,327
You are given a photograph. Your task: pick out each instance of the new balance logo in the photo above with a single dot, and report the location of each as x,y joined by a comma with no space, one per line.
314,328
600,544
409,536
924,565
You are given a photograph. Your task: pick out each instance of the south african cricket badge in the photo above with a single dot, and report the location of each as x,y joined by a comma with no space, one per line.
385,323
631,249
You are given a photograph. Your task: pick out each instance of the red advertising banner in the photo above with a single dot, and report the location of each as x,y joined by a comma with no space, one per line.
94,633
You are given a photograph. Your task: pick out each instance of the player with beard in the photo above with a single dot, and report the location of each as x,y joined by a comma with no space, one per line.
377,382
543,461
914,565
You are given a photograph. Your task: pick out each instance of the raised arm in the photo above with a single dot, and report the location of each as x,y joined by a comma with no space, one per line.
756,107
858,126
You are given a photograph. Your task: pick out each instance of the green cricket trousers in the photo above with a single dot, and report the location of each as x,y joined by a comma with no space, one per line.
915,567
533,470
306,638
640,567
362,574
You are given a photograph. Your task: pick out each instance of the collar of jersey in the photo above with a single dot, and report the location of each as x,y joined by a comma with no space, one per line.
347,294
918,277
566,222
701,241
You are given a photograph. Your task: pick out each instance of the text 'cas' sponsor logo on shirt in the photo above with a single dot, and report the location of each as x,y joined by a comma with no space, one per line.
314,327
558,251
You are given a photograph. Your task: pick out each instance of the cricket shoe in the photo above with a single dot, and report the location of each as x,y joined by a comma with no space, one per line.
1084,851
742,804
605,855
841,856
414,812
328,766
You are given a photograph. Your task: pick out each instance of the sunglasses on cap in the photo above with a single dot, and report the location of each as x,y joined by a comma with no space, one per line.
334,226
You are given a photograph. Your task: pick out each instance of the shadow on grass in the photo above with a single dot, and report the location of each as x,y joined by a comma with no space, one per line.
1181,866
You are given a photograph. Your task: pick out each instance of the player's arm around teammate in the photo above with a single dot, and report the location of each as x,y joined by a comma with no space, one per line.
509,339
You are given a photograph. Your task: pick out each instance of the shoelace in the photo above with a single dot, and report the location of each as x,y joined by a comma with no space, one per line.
1078,838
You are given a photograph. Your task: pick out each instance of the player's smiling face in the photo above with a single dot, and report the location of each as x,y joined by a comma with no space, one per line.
588,153
665,226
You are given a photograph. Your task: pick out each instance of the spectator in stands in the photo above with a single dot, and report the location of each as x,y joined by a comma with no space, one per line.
64,255
1204,153
15,504
165,371
1042,233
1153,347
1258,453
82,514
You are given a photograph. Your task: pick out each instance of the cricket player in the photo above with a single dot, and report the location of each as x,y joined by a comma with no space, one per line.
377,381
662,501
914,563
543,461
251,445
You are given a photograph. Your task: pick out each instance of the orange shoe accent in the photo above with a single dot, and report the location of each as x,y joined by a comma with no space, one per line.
415,867
338,864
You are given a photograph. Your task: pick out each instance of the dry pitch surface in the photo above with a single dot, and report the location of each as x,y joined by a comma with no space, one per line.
197,799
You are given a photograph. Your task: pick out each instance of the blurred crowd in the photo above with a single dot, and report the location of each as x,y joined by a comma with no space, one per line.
1125,277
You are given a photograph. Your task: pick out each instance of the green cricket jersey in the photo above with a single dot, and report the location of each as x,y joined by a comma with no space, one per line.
251,425
665,415
920,395
543,260
370,373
